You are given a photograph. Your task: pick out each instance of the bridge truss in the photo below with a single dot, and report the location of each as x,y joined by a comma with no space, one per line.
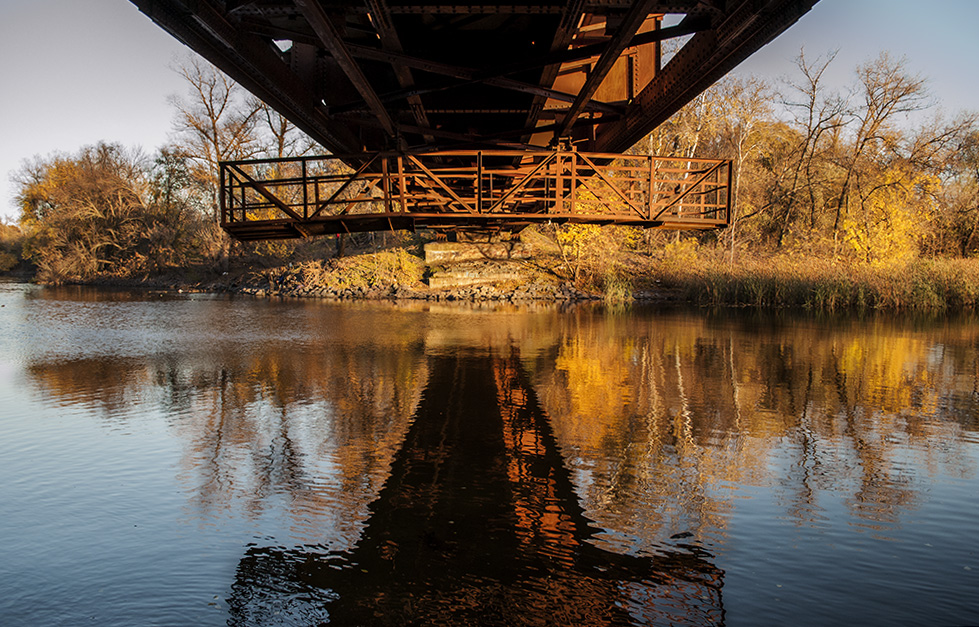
370,78
459,190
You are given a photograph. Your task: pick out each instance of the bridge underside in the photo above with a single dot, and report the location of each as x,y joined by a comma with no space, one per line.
417,78
374,75
460,190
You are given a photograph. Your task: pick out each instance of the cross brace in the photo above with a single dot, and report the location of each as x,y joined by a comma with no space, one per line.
488,189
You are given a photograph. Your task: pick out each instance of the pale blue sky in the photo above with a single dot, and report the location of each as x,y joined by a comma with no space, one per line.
75,72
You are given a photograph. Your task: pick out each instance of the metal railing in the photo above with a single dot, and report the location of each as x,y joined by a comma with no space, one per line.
500,189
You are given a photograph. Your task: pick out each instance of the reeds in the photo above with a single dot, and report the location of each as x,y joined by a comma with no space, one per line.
826,285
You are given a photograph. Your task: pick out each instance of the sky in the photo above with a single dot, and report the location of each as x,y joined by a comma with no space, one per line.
73,73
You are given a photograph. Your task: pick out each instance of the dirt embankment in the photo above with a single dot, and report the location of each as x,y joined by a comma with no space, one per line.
298,282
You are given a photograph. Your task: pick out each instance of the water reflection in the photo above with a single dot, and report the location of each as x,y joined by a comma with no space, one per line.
494,465
478,523
664,414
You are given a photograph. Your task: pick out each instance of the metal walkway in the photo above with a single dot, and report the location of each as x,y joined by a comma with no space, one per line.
458,190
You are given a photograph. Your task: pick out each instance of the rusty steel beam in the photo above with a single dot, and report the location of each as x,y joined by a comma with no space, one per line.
688,26
324,29
620,40
563,35
592,6
472,77
701,62
380,14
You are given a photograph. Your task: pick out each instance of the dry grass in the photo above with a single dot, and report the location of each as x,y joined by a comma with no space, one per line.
394,266
825,285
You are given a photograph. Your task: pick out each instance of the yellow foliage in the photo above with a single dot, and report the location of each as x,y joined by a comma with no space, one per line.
681,251
889,229
575,238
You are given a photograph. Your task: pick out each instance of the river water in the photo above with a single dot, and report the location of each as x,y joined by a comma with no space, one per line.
174,459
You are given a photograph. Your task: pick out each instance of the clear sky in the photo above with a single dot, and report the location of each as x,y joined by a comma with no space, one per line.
75,72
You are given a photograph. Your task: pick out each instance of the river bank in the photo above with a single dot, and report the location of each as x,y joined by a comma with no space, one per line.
921,284
698,278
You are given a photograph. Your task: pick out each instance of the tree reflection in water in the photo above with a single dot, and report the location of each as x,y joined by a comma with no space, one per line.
513,465
478,523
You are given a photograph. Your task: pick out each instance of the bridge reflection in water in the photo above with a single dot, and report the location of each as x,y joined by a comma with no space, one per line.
478,523
277,450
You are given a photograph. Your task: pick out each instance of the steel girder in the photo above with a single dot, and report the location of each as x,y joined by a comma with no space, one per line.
386,74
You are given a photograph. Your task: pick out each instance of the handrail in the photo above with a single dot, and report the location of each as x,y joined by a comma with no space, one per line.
470,189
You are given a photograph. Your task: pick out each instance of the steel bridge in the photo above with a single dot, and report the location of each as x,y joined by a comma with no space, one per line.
451,115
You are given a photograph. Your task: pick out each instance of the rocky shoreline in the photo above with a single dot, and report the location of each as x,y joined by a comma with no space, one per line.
563,292
448,273
284,285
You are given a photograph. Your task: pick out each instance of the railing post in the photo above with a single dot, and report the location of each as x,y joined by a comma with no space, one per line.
386,184
316,192
574,179
492,197
479,181
401,184
244,201
558,180
305,192
729,198
221,195
649,187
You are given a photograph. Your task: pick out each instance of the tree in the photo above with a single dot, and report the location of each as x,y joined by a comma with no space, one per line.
109,211
83,213
814,114
744,105
214,123
11,244
278,138
957,223
888,90
174,220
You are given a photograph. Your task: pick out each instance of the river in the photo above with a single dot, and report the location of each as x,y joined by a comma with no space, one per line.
188,459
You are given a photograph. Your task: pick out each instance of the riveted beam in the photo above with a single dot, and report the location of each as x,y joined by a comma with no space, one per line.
563,35
469,76
701,62
320,22
630,25
380,14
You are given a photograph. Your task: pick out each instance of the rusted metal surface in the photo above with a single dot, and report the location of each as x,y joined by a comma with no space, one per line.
377,75
491,189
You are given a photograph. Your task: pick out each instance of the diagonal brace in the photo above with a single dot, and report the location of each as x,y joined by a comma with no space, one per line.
328,35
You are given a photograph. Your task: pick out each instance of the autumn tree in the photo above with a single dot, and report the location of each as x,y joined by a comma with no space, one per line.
83,212
814,114
176,224
887,91
107,211
11,245
214,122
956,221
744,104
